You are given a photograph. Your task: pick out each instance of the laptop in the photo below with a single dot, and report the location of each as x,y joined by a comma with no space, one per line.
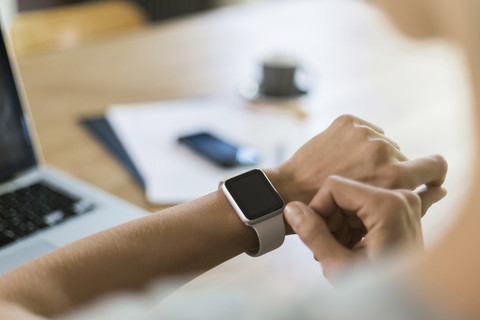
41,208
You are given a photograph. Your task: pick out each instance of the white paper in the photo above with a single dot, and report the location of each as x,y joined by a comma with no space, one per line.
175,174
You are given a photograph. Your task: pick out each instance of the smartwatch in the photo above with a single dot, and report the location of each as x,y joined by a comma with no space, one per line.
259,206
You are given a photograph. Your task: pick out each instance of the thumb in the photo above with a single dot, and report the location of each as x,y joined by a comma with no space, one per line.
314,232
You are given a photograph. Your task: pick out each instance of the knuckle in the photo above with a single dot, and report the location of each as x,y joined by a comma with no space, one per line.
411,206
379,146
345,120
441,162
330,181
362,132
412,198
386,204
395,206
396,202
378,199
392,176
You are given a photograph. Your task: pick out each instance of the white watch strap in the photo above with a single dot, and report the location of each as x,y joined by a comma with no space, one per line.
271,234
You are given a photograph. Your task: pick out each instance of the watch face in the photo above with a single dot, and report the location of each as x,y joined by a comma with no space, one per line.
254,194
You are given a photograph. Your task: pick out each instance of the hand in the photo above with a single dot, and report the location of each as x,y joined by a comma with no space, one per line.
373,221
355,149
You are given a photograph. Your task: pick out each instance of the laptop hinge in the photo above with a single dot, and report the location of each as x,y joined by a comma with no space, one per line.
20,179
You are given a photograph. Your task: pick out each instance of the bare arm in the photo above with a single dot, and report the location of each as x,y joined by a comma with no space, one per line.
188,238
201,234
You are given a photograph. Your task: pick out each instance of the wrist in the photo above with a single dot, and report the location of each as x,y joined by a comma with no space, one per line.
280,182
245,237
288,185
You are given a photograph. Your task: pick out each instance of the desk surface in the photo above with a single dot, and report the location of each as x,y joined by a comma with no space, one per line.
360,62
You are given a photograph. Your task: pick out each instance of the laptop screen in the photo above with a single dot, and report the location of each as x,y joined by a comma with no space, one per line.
16,152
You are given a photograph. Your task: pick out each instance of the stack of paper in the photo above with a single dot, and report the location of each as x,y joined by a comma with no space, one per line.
173,173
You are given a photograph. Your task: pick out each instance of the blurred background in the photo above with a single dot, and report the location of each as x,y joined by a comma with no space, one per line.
79,58
155,9
39,25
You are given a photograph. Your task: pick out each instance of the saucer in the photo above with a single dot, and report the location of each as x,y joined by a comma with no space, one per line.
252,91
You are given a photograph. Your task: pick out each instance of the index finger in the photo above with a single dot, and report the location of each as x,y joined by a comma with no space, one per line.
338,192
430,171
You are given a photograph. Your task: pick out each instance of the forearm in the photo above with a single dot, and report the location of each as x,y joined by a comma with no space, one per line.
188,238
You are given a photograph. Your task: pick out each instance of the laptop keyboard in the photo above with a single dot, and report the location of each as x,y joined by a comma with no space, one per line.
34,208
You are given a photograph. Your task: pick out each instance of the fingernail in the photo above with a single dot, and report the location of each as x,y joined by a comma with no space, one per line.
293,214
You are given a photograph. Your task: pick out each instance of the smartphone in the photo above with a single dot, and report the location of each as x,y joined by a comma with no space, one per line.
219,151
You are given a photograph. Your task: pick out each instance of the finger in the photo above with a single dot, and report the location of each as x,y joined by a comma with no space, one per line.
430,171
392,152
430,195
328,214
354,222
357,235
372,205
341,193
357,229
344,235
335,221
400,156
374,134
313,231
362,122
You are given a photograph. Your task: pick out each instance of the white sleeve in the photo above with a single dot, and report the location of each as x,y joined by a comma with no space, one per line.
371,295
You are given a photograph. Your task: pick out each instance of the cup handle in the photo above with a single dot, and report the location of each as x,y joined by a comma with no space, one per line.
303,80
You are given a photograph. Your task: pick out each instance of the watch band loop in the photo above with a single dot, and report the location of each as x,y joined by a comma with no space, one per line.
265,230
